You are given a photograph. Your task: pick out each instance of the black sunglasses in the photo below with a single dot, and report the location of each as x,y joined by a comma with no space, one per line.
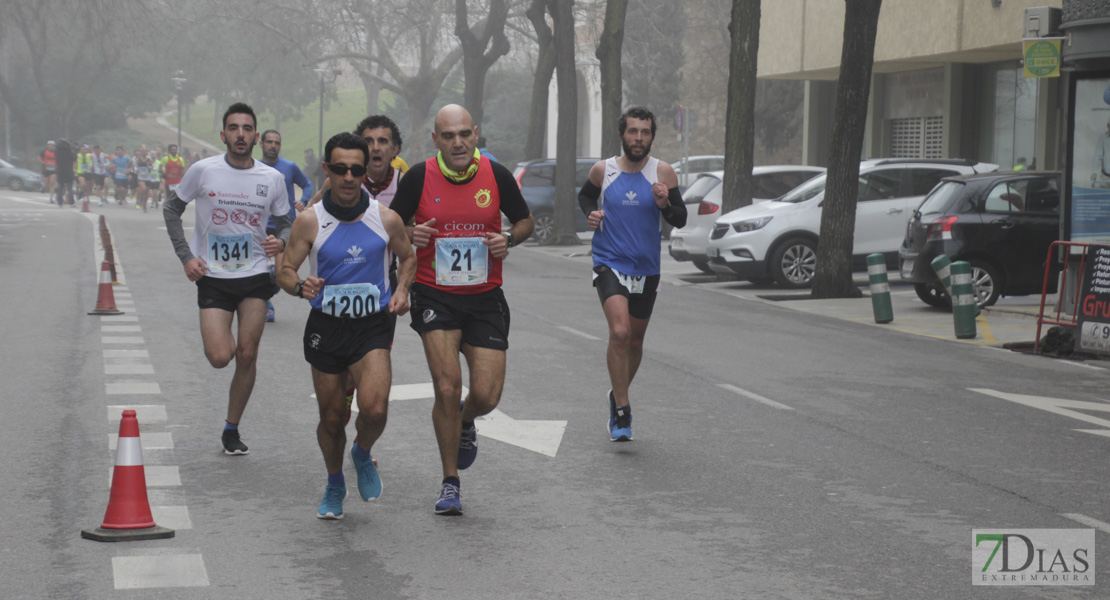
341,170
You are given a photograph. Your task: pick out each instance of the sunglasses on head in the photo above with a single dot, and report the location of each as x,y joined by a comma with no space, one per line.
341,170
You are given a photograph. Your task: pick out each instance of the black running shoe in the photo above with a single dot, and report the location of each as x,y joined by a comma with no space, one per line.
232,444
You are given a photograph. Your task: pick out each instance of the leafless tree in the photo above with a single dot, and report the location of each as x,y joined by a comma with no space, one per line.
545,68
609,54
833,277
482,44
566,201
740,115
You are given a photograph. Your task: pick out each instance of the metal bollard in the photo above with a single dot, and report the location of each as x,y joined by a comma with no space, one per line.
880,288
964,308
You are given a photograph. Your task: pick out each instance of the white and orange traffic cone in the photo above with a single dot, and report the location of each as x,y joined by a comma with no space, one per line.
128,516
105,298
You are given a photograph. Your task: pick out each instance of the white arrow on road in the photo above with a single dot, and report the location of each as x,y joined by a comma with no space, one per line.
1059,406
543,437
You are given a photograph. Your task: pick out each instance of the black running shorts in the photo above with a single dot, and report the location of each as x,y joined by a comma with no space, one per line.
226,294
331,344
640,304
483,318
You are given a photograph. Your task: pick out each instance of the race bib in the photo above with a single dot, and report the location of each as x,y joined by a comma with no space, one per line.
229,253
461,261
634,283
351,300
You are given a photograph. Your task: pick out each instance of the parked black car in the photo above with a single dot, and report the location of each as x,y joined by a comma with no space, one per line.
537,184
1001,223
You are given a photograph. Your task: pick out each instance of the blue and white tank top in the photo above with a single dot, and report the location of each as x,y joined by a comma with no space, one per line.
628,239
353,259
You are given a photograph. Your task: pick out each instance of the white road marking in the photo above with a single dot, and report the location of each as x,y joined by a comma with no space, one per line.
159,571
121,340
149,441
132,387
120,329
144,413
155,476
538,436
126,354
579,333
128,370
119,319
1058,406
1088,521
174,517
754,396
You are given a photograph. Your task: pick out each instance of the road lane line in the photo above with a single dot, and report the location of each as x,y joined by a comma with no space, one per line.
150,441
128,370
122,340
159,571
1088,521
120,329
578,333
754,396
132,387
126,354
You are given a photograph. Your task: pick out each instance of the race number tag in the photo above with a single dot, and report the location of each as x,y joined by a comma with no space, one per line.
351,300
229,253
461,261
634,283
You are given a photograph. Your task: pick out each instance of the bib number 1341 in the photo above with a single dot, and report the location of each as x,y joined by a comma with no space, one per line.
229,253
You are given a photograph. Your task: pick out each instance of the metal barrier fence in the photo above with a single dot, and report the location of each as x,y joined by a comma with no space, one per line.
1073,251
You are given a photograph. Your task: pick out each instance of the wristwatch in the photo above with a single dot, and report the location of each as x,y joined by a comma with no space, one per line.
511,239
297,289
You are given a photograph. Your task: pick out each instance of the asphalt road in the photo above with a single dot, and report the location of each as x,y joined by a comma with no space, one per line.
777,453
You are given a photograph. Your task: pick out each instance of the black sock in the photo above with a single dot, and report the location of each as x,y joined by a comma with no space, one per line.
453,481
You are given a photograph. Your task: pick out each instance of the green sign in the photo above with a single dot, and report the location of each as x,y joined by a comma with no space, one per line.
1042,58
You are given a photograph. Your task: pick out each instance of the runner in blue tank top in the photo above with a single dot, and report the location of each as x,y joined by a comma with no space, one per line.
350,241
635,191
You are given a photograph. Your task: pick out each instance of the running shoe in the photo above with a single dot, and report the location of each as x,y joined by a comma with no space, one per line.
232,444
449,502
621,429
468,444
269,312
369,483
331,507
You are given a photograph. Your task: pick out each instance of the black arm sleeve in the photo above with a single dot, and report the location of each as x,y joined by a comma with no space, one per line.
172,209
587,197
675,212
409,189
512,202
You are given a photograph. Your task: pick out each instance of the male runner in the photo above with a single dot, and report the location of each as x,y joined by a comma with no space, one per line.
271,157
49,166
99,170
65,155
142,165
119,163
350,240
172,168
84,167
635,189
228,255
455,200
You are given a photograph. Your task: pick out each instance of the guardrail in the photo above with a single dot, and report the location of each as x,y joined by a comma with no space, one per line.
1059,318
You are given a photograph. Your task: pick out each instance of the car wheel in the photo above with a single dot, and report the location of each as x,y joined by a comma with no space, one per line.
15,184
986,283
703,265
932,296
544,226
794,262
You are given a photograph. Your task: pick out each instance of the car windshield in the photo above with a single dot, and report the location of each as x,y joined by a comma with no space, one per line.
806,191
697,190
5,164
938,199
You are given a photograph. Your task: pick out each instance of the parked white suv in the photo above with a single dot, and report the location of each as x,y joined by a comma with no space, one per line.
703,201
777,240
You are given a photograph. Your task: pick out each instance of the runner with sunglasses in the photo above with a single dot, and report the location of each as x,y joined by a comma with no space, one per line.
456,200
350,240
228,257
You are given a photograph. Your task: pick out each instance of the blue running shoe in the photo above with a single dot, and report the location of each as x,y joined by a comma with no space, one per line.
369,483
468,444
331,507
621,429
449,502
270,312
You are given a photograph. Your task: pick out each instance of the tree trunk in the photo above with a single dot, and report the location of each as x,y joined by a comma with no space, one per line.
476,60
740,118
566,155
833,278
545,68
609,54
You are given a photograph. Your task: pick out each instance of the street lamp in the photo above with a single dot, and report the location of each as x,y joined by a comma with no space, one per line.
323,73
179,81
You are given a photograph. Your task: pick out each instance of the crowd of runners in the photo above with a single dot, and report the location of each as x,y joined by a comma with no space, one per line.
383,240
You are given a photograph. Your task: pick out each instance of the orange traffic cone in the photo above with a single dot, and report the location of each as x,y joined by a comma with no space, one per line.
105,298
128,516
85,205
